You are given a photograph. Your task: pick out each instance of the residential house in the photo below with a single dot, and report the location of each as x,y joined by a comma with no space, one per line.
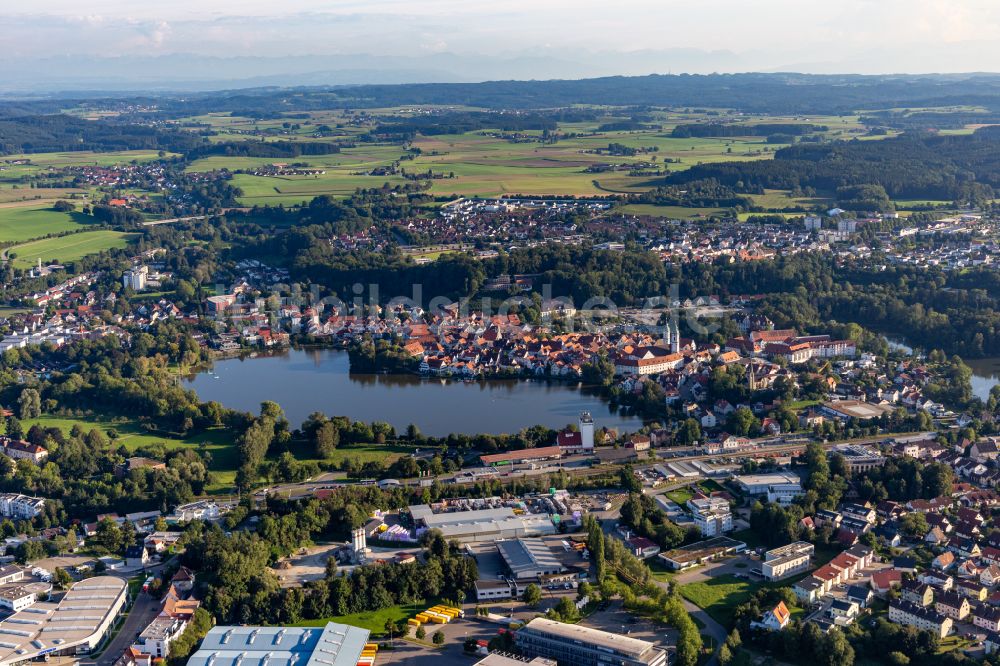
775,619
909,614
952,604
915,592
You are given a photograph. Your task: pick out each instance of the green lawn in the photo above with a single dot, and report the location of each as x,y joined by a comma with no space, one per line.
218,441
22,223
720,596
680,496
749,537
360,452
373,621
69,248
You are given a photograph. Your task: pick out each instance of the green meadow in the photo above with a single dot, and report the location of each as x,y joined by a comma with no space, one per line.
69,248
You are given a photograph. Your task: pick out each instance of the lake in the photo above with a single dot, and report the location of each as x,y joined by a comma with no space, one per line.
319,380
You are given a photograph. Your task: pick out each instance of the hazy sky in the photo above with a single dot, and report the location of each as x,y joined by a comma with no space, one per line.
808,35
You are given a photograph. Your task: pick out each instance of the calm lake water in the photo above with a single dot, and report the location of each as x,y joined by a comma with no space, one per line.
306,381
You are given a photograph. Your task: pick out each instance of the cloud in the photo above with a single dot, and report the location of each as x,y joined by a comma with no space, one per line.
764,34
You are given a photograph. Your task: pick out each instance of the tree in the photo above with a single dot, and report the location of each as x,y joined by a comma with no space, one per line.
29,551
29,404
421,633
109,536
532,595
63,579
438,637
14,428
690,432
628,480
327,438
566,610
914,524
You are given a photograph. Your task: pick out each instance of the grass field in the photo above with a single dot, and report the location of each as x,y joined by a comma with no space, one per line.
217,441
373,621
475,164
720,596
22,223
16,194
69,248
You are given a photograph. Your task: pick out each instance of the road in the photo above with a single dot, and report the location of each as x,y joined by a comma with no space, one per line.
568,465
712,628
144,610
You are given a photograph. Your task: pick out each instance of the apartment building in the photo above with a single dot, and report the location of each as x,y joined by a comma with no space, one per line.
711,515
912,615
787,560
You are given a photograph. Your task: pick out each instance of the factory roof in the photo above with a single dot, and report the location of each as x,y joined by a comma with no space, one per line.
332,645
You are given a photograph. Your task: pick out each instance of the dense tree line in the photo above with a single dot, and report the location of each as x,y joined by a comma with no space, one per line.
954,168
57,132
688,130
264,149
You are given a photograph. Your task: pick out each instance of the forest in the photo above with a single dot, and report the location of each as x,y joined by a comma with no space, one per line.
919,165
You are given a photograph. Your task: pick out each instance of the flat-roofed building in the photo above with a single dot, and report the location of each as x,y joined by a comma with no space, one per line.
332,645
859,458
583,646
758,484
482,524
711,515
700,552
529,558
787,560
853,409
18,596
504,660
75,625
156,638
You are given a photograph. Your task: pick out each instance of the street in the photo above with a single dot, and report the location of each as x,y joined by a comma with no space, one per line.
142,613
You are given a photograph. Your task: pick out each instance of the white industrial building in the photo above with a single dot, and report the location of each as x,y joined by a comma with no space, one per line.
759,484
332,645
482,524
529,558
75,625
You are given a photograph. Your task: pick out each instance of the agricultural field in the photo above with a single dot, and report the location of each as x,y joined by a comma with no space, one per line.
472,163
69,248
19,194
19,223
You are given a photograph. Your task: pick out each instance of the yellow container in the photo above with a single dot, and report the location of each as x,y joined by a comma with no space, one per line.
414,622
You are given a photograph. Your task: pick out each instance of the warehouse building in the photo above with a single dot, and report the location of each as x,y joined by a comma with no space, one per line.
332,645
529,558
583,646
482,524
758,484
75,625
